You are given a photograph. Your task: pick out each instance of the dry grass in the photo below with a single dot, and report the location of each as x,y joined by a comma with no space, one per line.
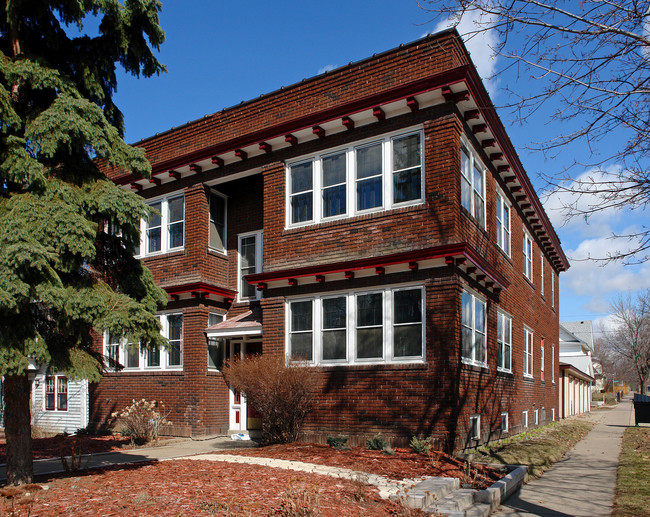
633,475
538,449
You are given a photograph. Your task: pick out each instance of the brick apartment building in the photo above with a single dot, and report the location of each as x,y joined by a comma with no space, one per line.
375,221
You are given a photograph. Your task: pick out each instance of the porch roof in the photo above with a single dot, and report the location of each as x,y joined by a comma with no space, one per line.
247,324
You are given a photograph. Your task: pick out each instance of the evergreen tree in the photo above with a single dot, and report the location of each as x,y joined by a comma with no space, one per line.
67,233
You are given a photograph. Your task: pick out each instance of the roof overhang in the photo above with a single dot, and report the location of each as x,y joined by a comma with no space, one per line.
247,324
200,290
575,372
462,256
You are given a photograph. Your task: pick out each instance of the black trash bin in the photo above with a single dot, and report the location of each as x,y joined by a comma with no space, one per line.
641,409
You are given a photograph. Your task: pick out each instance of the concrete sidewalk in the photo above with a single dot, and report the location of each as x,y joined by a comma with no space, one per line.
582,483
177,448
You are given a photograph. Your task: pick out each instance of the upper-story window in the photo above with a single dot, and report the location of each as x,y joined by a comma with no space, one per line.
370,176
552,288
503,223
472,184
504,342
528,256
217,238
473,329
215,346
375,326
163,231
250,262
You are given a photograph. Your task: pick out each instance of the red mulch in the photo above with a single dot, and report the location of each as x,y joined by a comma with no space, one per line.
194,487
54,446
404,464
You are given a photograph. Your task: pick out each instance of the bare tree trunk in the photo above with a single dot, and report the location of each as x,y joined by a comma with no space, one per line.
20,467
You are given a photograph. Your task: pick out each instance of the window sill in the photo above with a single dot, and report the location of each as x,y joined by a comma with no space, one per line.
506,373
215,252
374,366
163,255
528,378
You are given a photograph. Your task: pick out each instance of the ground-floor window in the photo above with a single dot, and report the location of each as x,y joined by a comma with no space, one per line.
475,427
524,418
56,393
215,346
379,325
536,416
504,422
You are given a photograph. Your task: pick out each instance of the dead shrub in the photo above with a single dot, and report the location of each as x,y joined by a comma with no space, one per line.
282,394
141,420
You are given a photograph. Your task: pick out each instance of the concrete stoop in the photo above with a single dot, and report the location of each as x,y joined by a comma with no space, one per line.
443,496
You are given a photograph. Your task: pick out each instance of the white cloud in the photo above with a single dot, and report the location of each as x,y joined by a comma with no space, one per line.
326,68
480,44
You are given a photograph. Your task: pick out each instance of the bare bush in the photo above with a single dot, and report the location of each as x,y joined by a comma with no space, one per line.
281,393
141,420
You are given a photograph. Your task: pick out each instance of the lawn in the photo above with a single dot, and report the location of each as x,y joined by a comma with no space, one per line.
538,448
633,474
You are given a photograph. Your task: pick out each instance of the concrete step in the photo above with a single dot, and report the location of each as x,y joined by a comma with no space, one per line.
426,492
455,503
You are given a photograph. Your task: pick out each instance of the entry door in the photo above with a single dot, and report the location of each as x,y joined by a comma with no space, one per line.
237,401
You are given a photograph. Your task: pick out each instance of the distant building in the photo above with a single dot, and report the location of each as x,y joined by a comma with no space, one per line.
576,367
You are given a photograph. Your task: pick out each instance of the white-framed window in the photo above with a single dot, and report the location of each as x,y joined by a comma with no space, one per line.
541,273
215,346
503,222
218,221
536,416
474,347
377,174
552,288
127,356
541,361
528,352
56,393
504,422
553,364
475,427
524,418
528,256
164,231
472,184
552,414
249,246
354,327
504,342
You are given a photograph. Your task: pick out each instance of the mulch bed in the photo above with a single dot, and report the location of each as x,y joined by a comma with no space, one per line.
404,464
56,445
195,487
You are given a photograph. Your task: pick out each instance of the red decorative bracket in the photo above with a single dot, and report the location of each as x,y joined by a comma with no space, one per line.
480,278
217,161
413,266
489,284
380,270
471,270
510,179
241,154
503,168
195,168
461,96
266,147
175,174
291,139
320,278
461,261
136,186
347,122
519,199
349,275
472,114
293,281
175,297
228,301
261,286
479,128
318,131
495,157
378,113
447,94
488,142
155,181
516,188
525,206
412,103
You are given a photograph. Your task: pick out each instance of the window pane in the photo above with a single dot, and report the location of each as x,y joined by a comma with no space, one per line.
132,355
479,307
153,240
406,152
369,310
301,177
176,235
479,345
247,251
175,207
217,222
369,161
467,343
301,348
214,318
369,193
154,219
467,310
406,185
408,306
334,201
62,394
153,357
369,343
334,313
465,194
334,170
465,163
334,346
407,341
301,207
301,316
175,322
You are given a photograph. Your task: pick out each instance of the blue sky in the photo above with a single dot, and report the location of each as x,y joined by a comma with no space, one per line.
221,53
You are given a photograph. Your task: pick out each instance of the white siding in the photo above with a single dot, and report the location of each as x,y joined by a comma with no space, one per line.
76,416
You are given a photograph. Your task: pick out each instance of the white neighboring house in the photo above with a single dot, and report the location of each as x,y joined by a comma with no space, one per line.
59,405
576,367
